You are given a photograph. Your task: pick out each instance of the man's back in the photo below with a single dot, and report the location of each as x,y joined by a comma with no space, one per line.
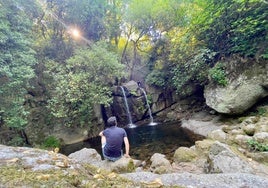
114,141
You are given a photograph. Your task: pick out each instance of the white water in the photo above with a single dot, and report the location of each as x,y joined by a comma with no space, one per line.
130,125
149,108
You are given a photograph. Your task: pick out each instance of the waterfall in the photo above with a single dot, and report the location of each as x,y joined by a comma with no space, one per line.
149,108
131,125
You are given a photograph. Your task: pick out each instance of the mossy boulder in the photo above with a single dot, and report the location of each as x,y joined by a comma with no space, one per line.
160,165
202,147
123,165
184,154
218,135
244,89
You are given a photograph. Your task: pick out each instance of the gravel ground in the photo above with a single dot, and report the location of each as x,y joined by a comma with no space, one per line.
237,180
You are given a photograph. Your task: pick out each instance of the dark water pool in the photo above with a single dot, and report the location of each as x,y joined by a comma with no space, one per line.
145,140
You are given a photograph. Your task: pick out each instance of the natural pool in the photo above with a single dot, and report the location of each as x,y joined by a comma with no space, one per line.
145,140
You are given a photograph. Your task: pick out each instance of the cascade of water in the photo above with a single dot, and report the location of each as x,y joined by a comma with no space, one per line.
128,112
148,106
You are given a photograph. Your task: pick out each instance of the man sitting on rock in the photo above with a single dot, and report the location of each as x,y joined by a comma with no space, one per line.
112,140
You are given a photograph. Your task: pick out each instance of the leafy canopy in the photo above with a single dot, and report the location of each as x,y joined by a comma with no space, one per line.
17,59
83,82
234,26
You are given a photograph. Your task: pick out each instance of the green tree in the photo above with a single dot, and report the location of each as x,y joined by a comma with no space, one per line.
17,59
178,60
233,26
145,22
210,29
88,16
113,19
83,82
54,41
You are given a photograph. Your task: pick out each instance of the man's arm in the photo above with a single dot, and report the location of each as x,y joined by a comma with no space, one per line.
103,138
101,133
126,142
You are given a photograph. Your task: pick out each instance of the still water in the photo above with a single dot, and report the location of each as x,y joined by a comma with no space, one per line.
145,140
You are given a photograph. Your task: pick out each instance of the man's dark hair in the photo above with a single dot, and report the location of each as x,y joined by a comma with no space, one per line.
112,121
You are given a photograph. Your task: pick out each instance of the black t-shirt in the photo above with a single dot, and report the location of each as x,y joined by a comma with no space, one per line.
114,141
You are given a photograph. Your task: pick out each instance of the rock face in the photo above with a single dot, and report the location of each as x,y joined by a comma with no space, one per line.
160,164
247,84
184,154
136,101
134,104
222,159
91,156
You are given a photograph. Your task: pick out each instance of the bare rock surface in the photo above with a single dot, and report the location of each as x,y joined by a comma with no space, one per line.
244,89
189,180
202,123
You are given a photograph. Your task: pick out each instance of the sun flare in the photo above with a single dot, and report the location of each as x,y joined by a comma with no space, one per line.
75,33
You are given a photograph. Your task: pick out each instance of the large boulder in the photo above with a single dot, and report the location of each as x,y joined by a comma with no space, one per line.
245,87
222,159
184,154
86,155
123,165
92,157
160,164
218,135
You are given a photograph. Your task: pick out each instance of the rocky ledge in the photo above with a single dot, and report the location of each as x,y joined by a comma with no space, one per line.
223,159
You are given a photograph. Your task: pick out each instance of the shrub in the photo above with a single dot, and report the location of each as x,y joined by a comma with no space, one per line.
218,75
51,142
254,145
16,141
157,78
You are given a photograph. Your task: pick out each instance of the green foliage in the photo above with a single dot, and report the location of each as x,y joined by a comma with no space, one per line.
16,116
17,59
51,142
157,78
16,141
83,82
260,111
218,75
234,26
193,72
254,145
151,17
179,37
88,16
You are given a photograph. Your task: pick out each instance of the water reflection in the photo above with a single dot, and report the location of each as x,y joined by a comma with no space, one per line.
163,138
145,140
